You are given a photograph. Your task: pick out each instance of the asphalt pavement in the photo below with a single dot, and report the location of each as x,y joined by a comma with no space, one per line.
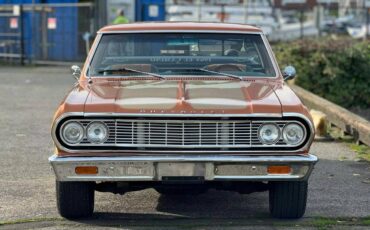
338,188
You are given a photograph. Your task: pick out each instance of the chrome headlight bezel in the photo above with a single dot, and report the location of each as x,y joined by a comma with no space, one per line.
112,146
296,124
63,129
102,125
265,125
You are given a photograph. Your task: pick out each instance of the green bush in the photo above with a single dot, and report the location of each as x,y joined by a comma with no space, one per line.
336,69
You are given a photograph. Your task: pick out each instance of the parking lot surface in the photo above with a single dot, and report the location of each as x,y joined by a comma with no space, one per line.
338,187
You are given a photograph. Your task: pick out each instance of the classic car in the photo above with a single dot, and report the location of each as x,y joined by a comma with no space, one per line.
182,108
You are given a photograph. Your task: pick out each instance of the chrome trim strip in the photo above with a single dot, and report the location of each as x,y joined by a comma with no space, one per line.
111,178
180,31
192,158
185,115
266,177
117,168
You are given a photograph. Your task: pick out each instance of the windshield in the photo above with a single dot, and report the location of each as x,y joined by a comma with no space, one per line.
168,54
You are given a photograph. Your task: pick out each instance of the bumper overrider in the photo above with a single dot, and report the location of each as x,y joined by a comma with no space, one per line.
203,167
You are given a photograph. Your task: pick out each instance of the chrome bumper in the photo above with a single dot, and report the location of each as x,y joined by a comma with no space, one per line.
158,168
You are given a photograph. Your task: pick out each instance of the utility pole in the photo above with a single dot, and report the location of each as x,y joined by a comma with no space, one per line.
245,3
367,23
366,9
301,22
317,15
222,17
199,10
21,31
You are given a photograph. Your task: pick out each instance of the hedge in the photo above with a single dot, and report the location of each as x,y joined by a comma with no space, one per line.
336,69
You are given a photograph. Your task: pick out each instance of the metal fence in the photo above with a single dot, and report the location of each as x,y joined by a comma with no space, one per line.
11,33
283,22
42,33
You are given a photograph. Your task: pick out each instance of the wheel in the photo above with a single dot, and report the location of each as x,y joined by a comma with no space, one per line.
75,199
288,199
181,191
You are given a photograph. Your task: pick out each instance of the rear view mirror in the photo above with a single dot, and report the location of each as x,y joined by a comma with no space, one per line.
76,71
289,72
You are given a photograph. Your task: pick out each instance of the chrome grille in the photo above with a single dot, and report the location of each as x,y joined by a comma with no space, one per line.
183,133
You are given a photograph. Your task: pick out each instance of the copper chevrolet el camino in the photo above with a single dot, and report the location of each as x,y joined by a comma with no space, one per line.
182,108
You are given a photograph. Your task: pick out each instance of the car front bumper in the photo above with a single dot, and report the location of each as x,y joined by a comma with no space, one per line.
204,167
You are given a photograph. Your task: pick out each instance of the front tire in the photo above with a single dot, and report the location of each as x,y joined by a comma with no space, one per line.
75,199
288,199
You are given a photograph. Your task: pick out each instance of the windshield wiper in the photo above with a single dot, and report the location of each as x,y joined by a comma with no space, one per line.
220,73
132,70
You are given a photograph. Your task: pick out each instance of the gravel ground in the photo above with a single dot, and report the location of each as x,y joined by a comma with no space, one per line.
339,186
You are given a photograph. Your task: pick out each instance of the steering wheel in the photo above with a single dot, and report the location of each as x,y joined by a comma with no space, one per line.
226,67
232,52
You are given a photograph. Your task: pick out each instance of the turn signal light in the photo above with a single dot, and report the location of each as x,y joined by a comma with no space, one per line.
279,169
87,170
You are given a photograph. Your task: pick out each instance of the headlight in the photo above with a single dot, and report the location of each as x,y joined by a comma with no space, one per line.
97,132
293,134
269,133
73,132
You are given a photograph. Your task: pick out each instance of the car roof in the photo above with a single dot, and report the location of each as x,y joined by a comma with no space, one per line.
179,26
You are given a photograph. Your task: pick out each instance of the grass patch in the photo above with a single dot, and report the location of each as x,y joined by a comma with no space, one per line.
339,135
30,220
363,151
323,223
366,221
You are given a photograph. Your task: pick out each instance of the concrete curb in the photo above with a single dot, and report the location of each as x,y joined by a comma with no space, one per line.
349,122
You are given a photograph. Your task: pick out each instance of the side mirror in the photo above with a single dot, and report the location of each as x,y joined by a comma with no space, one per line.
289,72
76,71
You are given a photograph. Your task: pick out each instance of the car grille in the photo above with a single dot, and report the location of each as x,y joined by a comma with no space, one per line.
190,134
182,134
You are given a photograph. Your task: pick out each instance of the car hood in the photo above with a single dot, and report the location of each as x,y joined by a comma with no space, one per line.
183,96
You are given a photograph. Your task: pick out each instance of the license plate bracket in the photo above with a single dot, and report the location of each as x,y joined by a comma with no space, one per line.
173,170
